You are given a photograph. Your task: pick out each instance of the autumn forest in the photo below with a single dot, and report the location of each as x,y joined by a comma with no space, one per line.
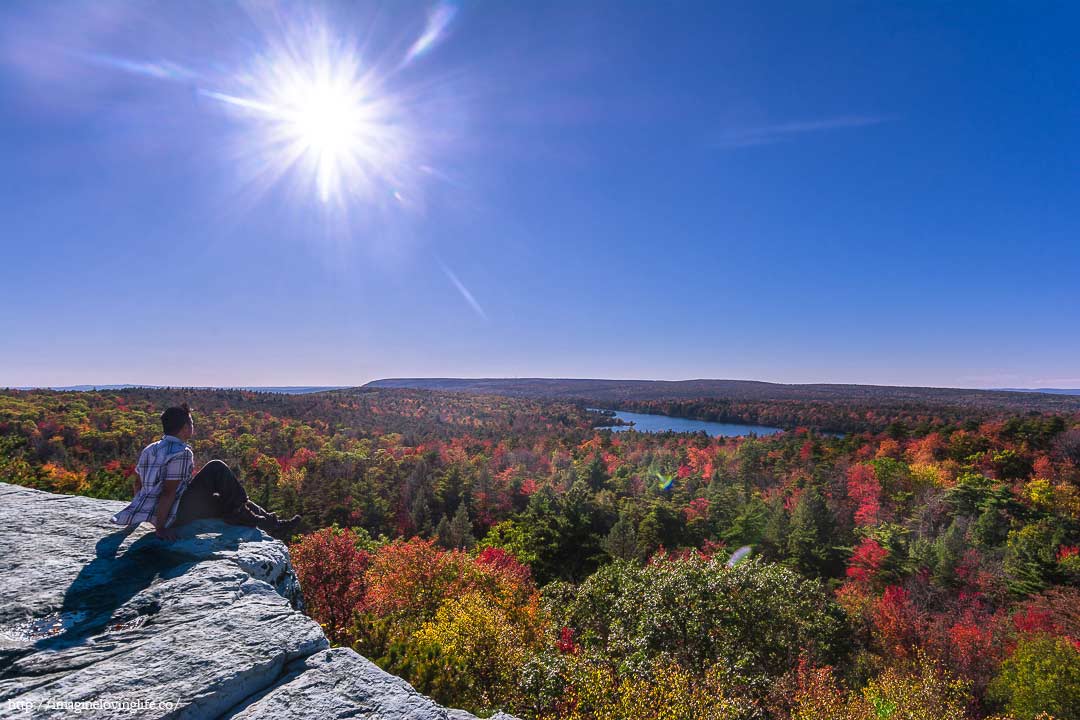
910,556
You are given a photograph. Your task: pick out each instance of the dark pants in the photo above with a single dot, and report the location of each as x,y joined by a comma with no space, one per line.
214,492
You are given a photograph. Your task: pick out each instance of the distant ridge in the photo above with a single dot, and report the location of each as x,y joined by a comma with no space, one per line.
284,389
1051,391
616,391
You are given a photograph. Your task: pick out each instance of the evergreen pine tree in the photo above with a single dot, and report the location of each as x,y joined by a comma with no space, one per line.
774,537
420,514
809,537
595,474
648,535
621,542
991,528
461,535
747,525
725,499
948,551
442,533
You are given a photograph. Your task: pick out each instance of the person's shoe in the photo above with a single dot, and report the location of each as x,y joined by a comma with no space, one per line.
278,528
285,527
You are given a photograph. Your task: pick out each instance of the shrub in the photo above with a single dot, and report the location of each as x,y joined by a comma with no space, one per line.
755,619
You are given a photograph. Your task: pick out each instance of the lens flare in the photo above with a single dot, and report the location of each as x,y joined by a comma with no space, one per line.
738,555
438,21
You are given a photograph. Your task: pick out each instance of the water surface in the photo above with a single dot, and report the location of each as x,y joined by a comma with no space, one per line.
663,423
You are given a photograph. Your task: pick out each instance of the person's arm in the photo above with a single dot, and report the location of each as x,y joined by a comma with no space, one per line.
165,501
176,470
137,472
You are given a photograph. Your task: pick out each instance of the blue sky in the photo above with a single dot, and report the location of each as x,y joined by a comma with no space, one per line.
797,192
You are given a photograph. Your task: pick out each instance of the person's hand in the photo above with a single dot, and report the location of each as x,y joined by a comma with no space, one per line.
166,534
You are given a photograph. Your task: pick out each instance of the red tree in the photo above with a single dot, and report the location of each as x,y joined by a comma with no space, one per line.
865,493
867,561
331,565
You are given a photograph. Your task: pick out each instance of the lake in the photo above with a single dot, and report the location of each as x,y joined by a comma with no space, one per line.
664,423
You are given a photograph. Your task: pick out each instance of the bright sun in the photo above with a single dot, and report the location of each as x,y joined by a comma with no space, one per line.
331,125
320,114
325,119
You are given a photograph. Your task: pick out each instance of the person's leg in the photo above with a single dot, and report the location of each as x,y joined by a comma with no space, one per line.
224,483
259,510
198,501
237,508
220,495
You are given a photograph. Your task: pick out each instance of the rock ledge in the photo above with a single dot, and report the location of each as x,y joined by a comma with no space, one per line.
101,620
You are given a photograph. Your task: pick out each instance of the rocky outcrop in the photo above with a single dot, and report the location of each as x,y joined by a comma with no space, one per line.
103,620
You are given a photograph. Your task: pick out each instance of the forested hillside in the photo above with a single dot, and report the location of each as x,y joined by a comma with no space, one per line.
837,408
618,391
501,552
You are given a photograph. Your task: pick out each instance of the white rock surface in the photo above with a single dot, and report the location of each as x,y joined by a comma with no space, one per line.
93,617
338,683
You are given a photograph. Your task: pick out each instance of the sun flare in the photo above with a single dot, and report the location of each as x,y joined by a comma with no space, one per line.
326,118
320,113
332,124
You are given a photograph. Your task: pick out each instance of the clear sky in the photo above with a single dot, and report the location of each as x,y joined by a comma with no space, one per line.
258,194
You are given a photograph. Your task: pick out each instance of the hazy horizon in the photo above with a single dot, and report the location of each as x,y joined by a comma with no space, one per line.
331,386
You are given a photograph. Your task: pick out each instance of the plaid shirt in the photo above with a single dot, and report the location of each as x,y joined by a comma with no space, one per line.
169,458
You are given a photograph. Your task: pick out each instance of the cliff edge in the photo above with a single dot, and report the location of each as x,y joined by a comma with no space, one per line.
104,621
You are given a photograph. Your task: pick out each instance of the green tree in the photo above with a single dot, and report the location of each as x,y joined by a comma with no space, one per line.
991,528
1041,676
725,499
594,473
420,515
809,541
973,492
1030,558
892,474
460,534
756,619
442,533
776,530
1011,465
621,542
949,550
648,535
515,538
747,525
580,528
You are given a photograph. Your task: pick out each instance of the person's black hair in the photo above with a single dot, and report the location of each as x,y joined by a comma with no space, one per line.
174,419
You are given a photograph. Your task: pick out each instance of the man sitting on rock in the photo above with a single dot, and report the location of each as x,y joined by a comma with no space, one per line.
167,495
